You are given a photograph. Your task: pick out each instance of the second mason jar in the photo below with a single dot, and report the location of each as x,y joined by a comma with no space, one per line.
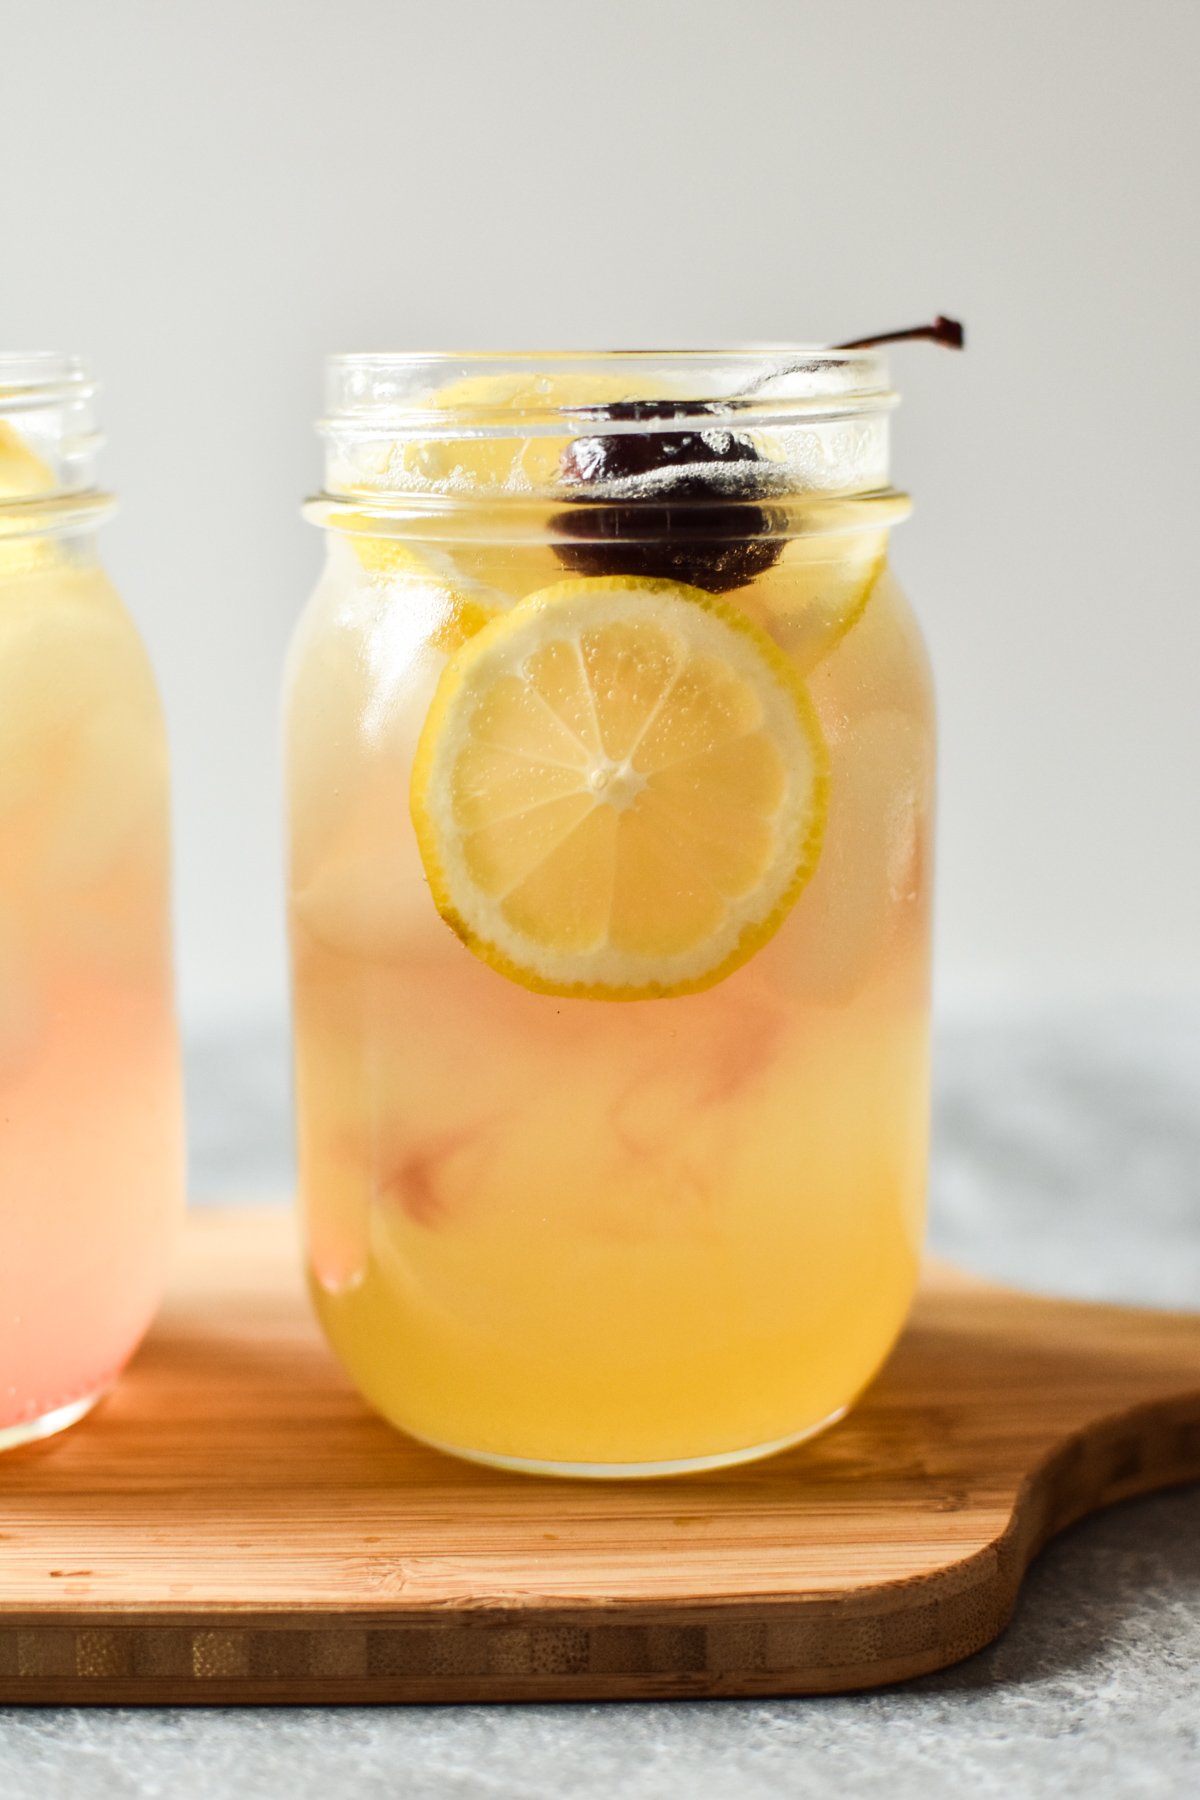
610,761
91,1103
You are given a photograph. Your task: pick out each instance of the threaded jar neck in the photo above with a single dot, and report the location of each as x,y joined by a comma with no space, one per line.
444,427
49,443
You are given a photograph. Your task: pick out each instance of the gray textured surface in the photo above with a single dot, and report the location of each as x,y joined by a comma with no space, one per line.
1068,1157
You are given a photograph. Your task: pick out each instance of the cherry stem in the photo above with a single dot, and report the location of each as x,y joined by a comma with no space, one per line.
943,331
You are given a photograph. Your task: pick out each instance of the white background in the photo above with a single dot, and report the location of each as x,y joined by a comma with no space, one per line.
205,199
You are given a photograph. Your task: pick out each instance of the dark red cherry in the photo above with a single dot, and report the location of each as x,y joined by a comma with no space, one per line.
676,505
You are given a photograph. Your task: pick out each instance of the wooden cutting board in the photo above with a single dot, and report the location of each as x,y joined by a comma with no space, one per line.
232,1525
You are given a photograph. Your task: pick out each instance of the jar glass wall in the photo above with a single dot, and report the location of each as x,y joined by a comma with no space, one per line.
91,1178
610,761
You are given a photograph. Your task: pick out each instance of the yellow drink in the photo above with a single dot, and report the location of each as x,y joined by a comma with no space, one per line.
609,1234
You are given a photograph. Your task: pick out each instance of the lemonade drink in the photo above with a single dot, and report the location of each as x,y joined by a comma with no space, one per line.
90,1108
610,813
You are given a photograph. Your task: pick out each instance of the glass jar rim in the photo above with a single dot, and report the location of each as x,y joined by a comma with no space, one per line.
435,431
436,393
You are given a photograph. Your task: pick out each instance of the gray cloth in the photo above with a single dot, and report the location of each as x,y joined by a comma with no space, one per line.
1068,1159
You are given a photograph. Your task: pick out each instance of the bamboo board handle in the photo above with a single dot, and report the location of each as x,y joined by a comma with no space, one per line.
233,1526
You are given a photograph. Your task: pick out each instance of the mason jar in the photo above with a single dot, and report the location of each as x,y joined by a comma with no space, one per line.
91,1179
610,767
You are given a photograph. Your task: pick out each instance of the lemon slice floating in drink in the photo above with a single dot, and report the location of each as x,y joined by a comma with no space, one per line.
506,463
619,791
460,606
22,471
23,476
818,591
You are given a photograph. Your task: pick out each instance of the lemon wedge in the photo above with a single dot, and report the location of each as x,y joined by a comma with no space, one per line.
619,791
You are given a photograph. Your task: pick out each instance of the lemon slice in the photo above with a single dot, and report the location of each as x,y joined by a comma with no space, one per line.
508,464
459,608
818,591
23,476
22,471
619,791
